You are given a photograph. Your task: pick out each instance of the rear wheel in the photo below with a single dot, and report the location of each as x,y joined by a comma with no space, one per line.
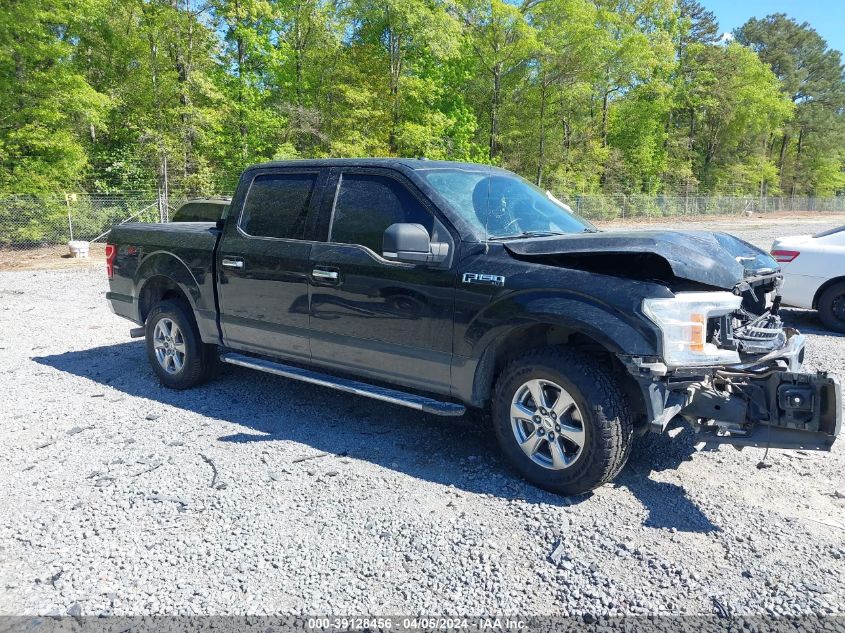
832,307
562,420
177,354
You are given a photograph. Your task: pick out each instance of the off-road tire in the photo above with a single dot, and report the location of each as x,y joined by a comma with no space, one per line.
828,300
199,358
605,413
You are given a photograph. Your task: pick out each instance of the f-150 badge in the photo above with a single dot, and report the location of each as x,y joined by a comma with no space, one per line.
482,278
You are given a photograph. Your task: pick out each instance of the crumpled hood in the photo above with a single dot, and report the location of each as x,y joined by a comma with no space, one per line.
715,259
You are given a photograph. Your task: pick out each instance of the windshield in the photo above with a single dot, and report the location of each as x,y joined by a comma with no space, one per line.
502,205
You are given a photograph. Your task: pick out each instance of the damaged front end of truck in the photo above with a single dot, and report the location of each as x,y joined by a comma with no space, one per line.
734,374
727,365
752,394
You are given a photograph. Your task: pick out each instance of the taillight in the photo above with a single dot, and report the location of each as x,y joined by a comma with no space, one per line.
784,257
111,253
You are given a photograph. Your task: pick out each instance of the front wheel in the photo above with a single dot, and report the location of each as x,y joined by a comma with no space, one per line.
174,348
562,420
832,307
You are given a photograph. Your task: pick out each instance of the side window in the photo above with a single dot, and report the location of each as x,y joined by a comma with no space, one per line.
367,204
277,204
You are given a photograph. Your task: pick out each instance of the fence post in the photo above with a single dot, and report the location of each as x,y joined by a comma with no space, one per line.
68,197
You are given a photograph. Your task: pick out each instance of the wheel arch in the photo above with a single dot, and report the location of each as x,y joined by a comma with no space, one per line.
531,336
162,276
821,289
159,288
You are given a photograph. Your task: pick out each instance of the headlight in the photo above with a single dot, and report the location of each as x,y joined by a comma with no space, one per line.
683,323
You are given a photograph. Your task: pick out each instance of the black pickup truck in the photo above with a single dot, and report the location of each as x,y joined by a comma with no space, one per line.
441,286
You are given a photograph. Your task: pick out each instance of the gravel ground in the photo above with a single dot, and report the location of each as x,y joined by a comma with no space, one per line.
254,495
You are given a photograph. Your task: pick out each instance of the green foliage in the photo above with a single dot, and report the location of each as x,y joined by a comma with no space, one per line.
809,148
46,102
593,96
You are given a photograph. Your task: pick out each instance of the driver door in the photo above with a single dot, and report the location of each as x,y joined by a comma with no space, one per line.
373,317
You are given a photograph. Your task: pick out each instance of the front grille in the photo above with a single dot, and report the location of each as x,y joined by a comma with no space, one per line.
761,334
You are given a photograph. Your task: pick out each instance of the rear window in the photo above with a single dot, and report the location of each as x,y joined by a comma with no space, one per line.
838,229
277,204
199,212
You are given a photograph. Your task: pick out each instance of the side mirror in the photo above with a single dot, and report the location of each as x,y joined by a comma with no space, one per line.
220,224
412,243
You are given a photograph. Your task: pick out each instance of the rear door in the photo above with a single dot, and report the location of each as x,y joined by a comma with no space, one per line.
263,263
370,316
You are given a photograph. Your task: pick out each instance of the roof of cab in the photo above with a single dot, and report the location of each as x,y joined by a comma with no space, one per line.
415,164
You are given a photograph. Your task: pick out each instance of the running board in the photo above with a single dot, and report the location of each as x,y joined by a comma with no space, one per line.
420,403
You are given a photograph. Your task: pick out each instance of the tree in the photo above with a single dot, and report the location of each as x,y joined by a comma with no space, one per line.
502,41
48,107
254,124
579,95
306,38
697,24
155,60
812,77
558,80
634,48
740,105
407,41
697,30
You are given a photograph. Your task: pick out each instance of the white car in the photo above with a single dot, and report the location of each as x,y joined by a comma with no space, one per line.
814,273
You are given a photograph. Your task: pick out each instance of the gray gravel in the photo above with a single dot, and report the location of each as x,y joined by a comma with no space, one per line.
256,495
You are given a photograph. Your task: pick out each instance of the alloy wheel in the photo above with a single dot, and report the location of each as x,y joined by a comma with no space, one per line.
169,344
547,424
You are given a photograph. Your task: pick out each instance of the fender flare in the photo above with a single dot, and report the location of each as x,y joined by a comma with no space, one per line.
168,265
619,333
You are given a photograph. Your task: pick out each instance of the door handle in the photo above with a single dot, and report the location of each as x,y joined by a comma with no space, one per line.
331,275
232,263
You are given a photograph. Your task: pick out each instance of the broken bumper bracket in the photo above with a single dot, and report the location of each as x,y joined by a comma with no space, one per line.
782,410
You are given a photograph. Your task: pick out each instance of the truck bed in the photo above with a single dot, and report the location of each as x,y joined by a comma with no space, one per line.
184,251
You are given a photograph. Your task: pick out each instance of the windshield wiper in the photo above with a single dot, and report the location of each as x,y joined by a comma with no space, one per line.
527,234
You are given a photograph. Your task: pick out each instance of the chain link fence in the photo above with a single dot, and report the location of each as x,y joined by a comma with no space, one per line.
28,221
623,206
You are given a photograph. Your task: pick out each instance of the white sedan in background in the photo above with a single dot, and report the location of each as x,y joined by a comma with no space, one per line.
814,273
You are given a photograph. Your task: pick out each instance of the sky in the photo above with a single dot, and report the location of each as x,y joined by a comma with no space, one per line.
826,16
